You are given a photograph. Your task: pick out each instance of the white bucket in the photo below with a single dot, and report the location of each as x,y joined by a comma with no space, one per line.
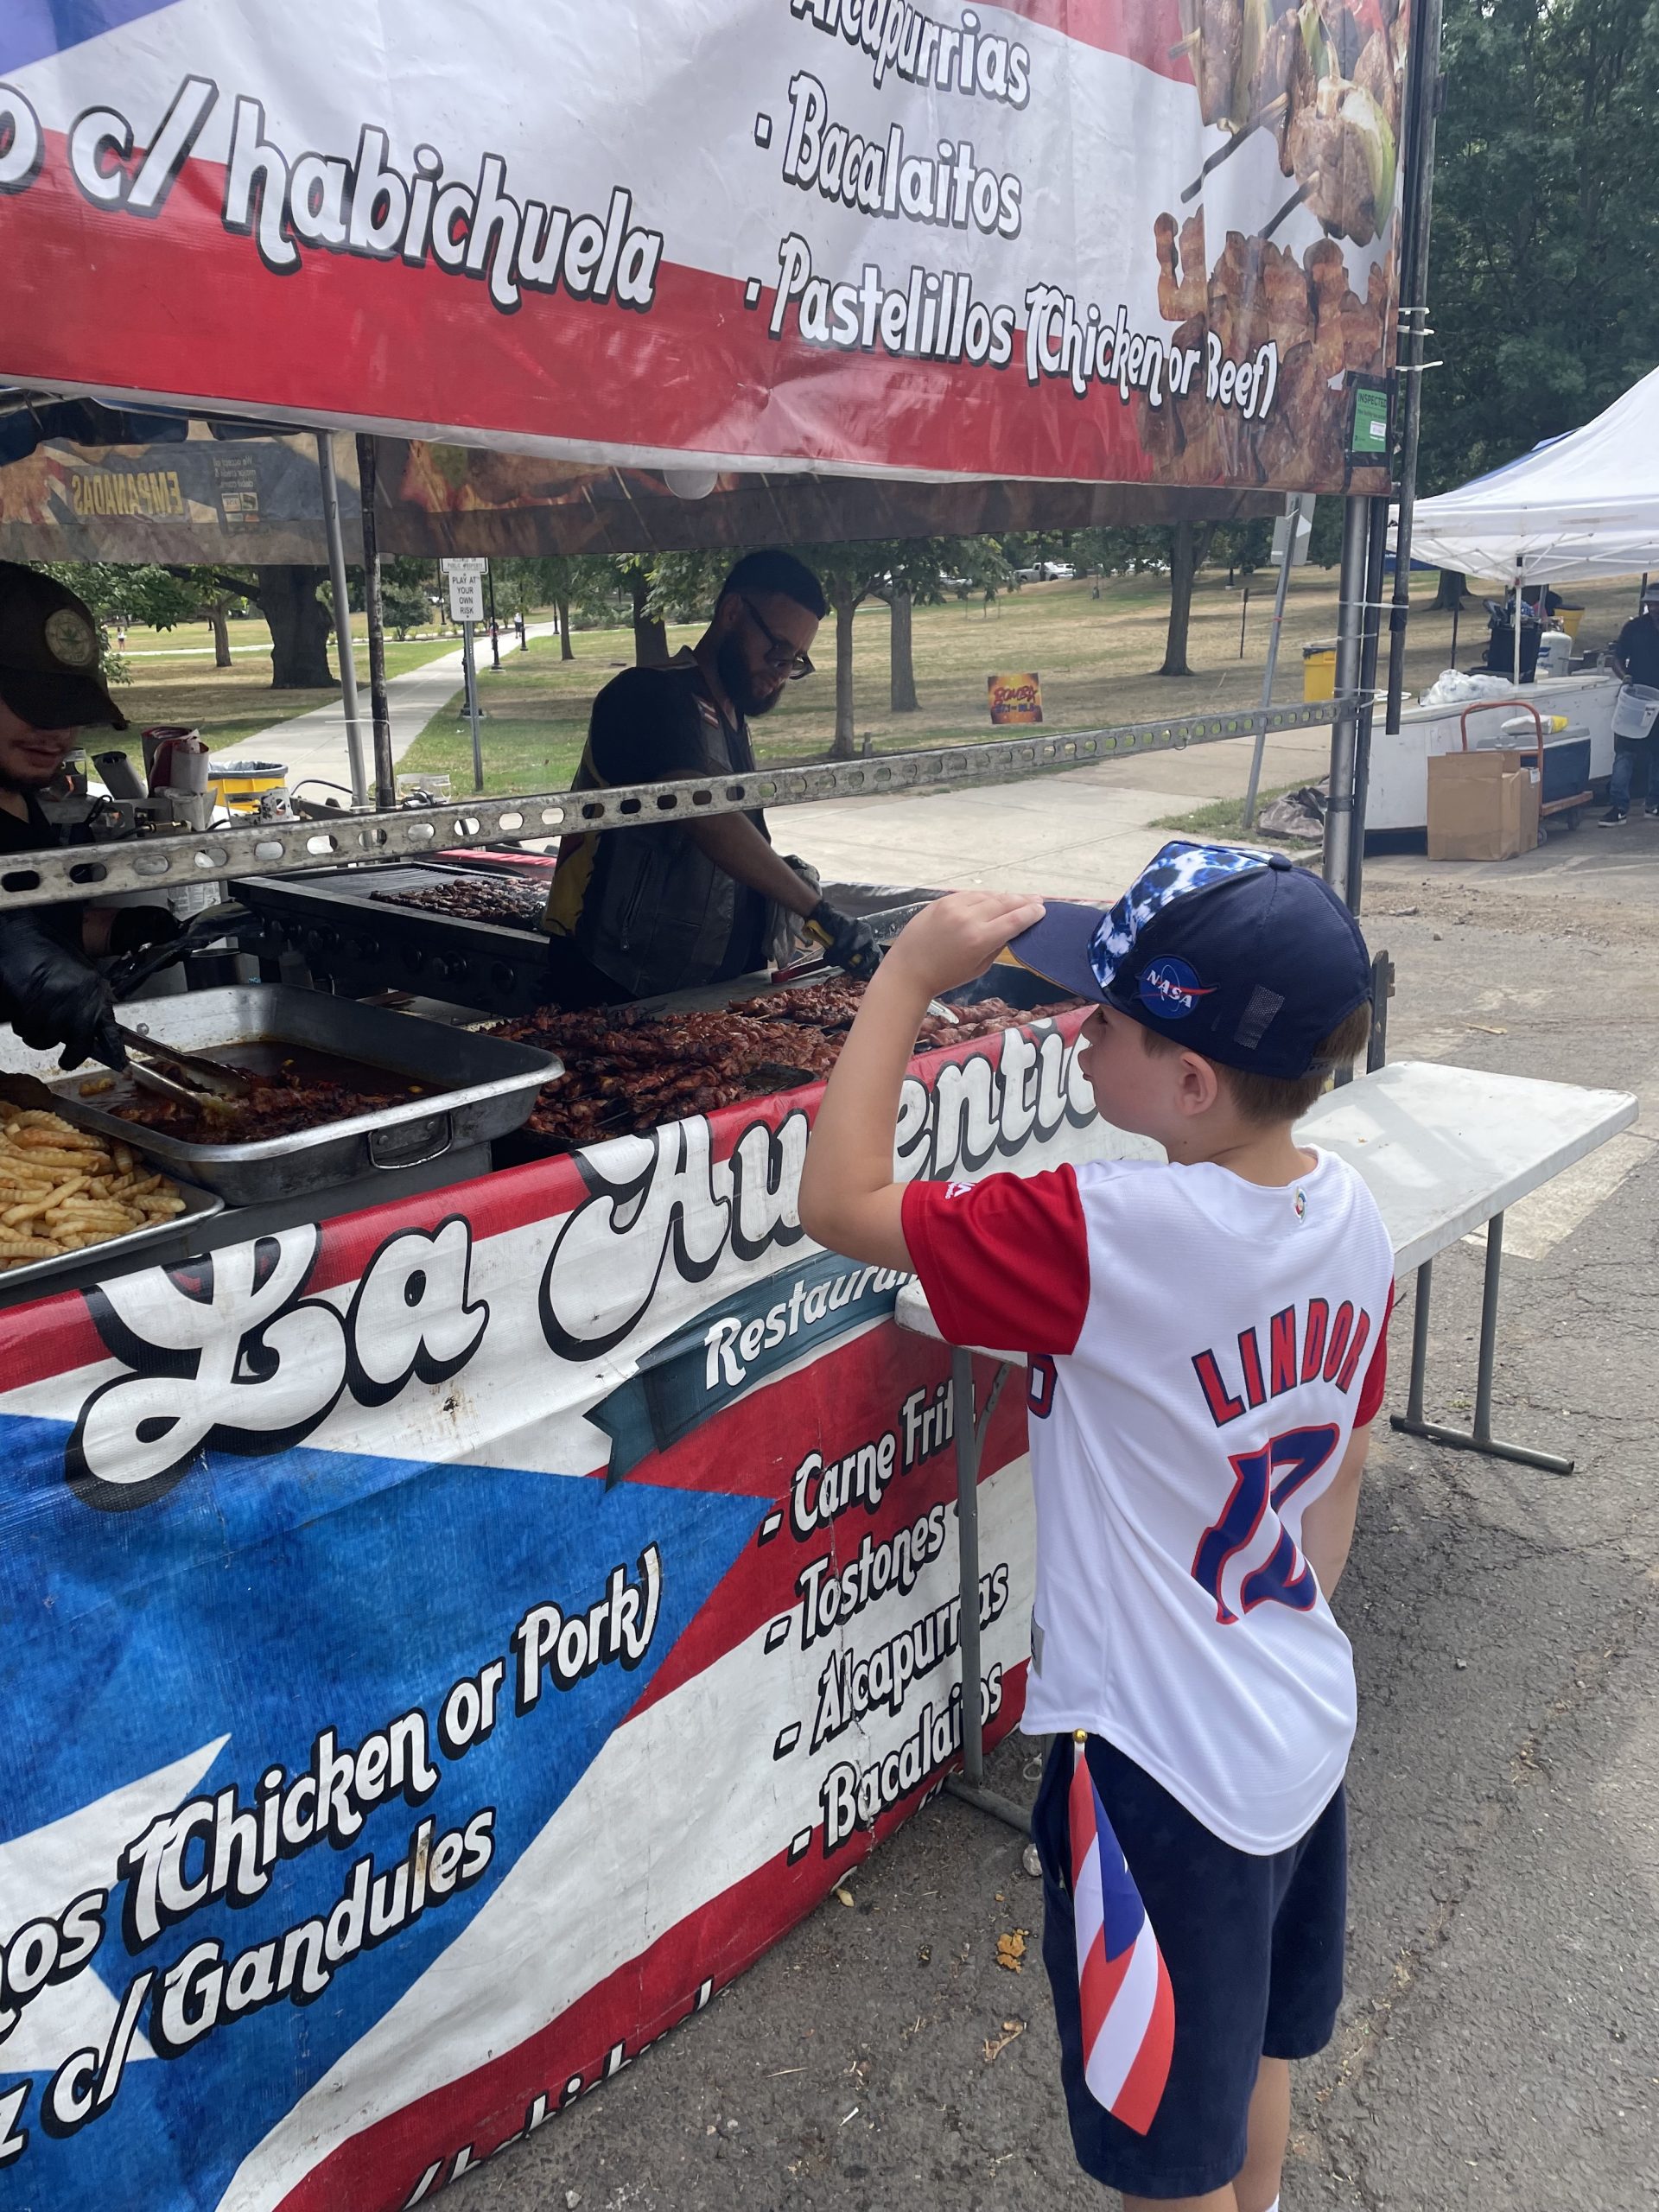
1635,710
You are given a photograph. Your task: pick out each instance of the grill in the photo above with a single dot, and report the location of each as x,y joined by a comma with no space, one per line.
359,945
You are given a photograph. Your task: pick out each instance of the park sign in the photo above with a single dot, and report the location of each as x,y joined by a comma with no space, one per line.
1057,239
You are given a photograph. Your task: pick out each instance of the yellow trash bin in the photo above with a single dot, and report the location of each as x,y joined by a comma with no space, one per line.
1569,618
1318,673
239,785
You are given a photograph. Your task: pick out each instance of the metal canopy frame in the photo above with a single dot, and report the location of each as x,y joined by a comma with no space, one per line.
161,863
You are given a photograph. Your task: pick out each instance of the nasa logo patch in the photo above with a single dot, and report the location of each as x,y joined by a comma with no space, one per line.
1170,988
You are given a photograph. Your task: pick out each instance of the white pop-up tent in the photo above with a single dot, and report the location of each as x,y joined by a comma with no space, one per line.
1577,507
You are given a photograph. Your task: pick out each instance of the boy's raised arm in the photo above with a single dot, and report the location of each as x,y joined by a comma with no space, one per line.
849,1200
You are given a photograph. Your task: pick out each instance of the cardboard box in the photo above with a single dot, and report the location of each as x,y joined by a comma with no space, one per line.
1482,806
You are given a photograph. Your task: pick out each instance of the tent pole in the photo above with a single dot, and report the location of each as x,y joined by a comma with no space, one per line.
1339,809
1423,105
342,616
1292,516
380,706
1517,627
1370,630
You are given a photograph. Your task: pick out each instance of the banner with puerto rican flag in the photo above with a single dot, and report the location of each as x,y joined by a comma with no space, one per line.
1124,241
443,1647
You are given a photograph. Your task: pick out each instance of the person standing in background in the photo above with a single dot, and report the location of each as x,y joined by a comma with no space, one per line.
1636,660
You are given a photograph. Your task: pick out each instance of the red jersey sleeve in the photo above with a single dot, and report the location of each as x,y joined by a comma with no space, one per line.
1004,1263
1377,1375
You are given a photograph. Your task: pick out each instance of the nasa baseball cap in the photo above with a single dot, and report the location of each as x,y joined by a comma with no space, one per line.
49,654
1242,955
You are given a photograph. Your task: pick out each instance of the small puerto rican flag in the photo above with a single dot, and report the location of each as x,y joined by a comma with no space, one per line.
1128,2009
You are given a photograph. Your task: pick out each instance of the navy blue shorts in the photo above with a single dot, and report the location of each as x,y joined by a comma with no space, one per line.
1253,1948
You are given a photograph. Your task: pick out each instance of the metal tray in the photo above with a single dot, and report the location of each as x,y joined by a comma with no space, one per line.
484,1087
40,1273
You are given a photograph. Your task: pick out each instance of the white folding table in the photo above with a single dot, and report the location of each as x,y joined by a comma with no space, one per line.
1442,1150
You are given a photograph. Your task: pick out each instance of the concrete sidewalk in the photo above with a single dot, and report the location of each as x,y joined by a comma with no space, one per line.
314,744
1082,833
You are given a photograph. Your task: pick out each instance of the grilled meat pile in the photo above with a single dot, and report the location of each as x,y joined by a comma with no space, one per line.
624,1077
275,1106
509,901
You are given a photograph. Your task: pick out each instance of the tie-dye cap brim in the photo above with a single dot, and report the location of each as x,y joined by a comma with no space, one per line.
1082,949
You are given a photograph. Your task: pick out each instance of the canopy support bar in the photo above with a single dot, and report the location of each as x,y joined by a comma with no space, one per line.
1344,729
289,848
342,615
1424,83
367,473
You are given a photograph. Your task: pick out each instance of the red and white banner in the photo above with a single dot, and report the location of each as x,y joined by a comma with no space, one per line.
1113,240
443,1647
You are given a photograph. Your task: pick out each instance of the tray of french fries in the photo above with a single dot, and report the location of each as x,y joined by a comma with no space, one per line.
66,1193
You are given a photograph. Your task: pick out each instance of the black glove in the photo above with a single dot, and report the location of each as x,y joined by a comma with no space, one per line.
52,995
847,941
134,929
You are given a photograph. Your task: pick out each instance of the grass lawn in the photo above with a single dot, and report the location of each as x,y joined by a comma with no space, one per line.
1096,659
174,680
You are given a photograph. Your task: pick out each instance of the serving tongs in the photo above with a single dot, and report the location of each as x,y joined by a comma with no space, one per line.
221,1089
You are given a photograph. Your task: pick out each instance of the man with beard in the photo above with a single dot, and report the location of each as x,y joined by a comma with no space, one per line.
634,914
50,991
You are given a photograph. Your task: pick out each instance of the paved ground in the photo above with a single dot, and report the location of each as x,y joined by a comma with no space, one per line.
1499,2050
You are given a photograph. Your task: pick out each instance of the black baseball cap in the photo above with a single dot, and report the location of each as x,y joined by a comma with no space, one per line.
49,654
1242,955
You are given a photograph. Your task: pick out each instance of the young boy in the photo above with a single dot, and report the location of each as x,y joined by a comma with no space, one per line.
1207,1357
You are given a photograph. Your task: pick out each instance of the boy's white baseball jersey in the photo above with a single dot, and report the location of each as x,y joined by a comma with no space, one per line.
1203,1350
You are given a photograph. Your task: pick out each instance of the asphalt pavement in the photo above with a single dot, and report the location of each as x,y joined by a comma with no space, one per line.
1499,2047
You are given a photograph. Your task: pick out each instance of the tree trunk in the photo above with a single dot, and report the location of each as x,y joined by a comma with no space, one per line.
299,627
1449,597
1188,544
562,608
842,748
650,631
902,672
221,635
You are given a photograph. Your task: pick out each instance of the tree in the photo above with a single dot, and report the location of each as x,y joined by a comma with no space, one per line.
634,574
405,610
1449,595
916,574
1546,237
907,568
286,594
901,655
1189,548
1244,546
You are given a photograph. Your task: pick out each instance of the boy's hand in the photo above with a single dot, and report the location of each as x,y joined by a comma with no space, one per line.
958,937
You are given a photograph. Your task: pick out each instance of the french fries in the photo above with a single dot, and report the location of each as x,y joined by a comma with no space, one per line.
63,1191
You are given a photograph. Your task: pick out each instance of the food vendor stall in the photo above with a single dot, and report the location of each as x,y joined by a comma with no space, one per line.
493,1573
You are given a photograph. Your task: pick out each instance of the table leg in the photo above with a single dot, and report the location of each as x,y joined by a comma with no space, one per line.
1420,1342
970,1441
1479,1438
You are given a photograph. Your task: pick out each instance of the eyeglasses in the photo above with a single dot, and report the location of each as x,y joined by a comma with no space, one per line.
780,653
